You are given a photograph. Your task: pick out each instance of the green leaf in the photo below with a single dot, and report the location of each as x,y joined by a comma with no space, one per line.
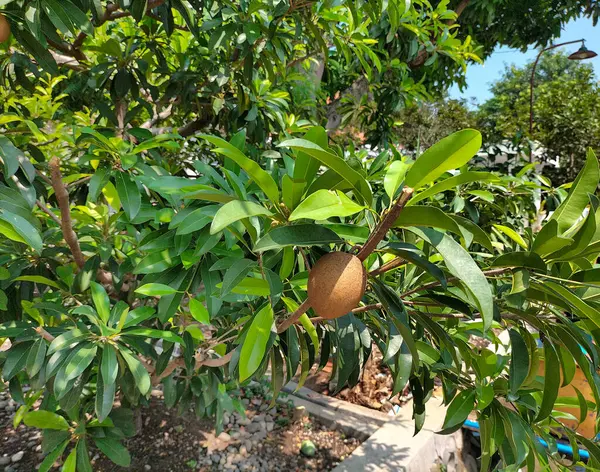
324,204
154,333
235,274
101,301
199,311
130,196
579,305
114,450
10,156
45,420
70,461
83,459
262,178
335,163
551,381
15,360
235,211
135,317
140,374
155,290
105,397
570,210
483,194
79,361
38,279
35,359
251,286
459,409
428,217
296,235
67,17
461,265
109,367
450,153
519,361
512,234
452,182
53,456
528,260
65,340
394,177
157,262
255,342
25,230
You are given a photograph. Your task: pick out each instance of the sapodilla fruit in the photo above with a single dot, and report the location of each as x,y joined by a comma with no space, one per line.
336,284
4,29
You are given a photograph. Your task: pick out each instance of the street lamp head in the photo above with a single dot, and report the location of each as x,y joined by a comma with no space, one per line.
582,53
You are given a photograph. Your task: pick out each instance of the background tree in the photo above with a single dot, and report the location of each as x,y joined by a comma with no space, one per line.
566,111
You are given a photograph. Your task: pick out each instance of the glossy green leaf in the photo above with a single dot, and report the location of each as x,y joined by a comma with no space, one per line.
512,234
519,361
70,461
38,279
251,286
157,262
450,153
261,177
255,342
154,333
101,301
452,182
551,381
335,163
114,450
24,229
461,265
586,182
459,409
130,196
394,177
235,211
155,290
199,311
53,456
45,420
35,359
140,374
79,361
296,235
10,156
83,460
65,340
324,204
235,274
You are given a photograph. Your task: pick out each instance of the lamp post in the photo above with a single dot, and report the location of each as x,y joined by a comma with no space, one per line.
581,54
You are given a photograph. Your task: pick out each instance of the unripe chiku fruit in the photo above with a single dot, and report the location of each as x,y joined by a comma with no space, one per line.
336,284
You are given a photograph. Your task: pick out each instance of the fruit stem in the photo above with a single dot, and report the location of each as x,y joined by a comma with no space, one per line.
393,264
386,223
294,316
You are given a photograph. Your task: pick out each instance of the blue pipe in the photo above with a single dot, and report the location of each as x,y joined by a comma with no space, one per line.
562,448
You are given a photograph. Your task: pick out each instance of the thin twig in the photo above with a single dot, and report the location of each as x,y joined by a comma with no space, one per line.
62,196
200,361
500,271
80,181
44,334
294,316
386,223
46,210
393,264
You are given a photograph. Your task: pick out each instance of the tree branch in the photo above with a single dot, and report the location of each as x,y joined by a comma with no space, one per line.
62,196
200,361
499,271
44,334
386,223
393,264
294,316
46,210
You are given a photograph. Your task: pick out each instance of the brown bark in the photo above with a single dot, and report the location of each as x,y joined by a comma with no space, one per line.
386,223
62,196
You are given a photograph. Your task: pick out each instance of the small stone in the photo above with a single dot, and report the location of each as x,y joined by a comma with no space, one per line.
298,413
215,458
18,456
243,450
308,448
270,427
4,460
31,444
147,467
3,404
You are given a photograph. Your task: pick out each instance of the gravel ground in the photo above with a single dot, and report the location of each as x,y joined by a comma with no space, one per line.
266,439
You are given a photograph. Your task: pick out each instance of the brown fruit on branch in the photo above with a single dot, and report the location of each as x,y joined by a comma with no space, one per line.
336,284
4,29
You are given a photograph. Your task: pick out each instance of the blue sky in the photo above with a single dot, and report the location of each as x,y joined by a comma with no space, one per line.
479,77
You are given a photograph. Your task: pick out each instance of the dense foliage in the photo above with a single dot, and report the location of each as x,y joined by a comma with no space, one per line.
135,252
